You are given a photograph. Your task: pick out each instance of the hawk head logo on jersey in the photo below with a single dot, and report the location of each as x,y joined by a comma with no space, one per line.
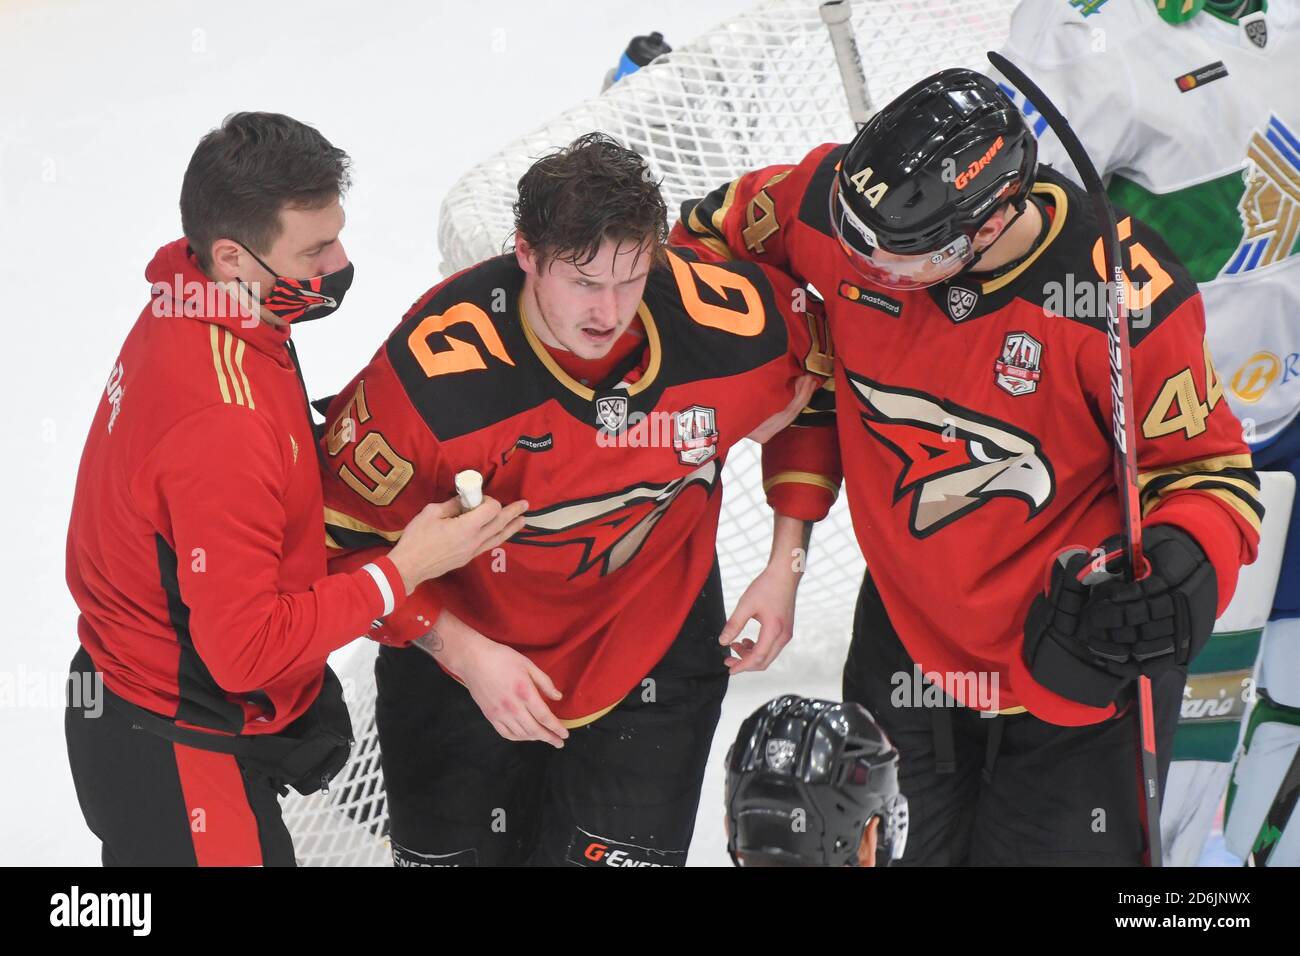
611,529
953,460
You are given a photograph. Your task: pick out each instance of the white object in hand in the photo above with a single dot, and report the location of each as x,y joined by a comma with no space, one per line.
469,485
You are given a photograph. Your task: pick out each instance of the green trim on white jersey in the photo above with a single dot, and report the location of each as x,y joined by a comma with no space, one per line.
1196,128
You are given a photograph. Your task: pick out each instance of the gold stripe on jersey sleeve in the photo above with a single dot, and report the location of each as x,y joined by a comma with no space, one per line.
701,233
801,478
340,520
1205,465
1062,203
1191,481
331,544
1240,494
719,218
213,333
227,339
239,364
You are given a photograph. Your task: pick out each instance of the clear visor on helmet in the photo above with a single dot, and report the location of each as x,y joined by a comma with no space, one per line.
859,243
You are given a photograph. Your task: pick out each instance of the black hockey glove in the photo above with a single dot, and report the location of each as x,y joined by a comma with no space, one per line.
1092,633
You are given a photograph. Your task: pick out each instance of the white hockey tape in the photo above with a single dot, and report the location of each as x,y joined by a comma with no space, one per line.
469,486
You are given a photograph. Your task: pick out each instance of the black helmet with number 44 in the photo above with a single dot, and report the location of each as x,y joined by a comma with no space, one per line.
925,173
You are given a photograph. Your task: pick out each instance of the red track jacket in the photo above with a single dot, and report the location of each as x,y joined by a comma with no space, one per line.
196,550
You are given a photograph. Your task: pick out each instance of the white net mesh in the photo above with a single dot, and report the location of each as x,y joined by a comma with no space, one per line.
760,89
348,824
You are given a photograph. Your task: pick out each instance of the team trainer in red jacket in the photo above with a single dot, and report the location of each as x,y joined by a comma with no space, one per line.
196,549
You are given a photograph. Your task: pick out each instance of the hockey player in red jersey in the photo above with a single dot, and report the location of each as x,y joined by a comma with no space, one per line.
970,415
602,378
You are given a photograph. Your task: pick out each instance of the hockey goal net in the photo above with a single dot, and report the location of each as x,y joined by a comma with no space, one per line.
762,88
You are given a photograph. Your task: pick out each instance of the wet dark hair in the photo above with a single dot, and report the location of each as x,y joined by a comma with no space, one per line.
249,168
574,199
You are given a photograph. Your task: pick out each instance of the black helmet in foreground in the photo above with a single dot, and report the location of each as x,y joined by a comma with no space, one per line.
804,779
924,174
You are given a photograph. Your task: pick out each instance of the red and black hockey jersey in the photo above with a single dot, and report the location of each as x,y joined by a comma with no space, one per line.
974,418
622,480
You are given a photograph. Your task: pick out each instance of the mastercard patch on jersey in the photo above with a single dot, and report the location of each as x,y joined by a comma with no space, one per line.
587,849
874,300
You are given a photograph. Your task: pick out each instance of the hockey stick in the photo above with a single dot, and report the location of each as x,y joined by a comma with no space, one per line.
1122,417
1279,813
838,17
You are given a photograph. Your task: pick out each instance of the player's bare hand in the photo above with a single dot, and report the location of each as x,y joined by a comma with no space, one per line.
803,393
443,537
512,691
769,599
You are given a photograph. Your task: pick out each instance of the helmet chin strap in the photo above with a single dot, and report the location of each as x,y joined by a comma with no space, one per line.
1046,225
970,266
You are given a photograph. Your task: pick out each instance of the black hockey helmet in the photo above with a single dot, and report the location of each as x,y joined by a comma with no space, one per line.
804,778
924,174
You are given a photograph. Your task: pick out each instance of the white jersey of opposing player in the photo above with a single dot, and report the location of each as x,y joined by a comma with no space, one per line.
1196,129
